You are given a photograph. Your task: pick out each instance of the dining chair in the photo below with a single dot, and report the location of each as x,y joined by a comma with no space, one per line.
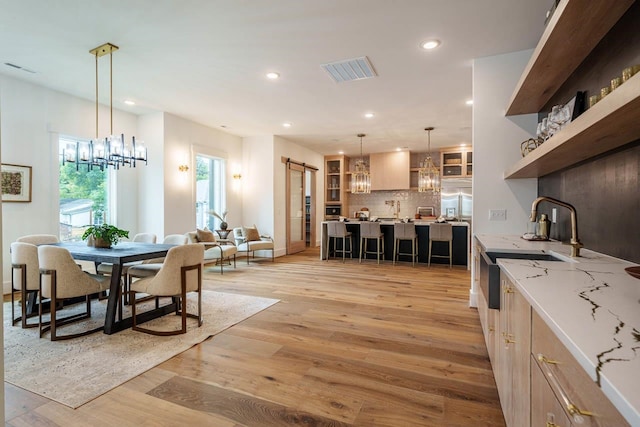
180,274
61,278
107,267
25,278
38,239
150,267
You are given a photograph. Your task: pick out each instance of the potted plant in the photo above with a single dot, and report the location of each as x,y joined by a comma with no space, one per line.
104,235
222,218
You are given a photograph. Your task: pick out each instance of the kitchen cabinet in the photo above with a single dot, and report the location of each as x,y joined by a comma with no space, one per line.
512,360
565,389
574,30
456,163
390,171
335,186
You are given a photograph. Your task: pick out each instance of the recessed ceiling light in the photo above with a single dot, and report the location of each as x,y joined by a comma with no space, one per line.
369,115
340,152
430,44
469,102
463,145
129,102
273,76
398,149
287,125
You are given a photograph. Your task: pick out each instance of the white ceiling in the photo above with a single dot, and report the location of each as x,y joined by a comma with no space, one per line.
205,60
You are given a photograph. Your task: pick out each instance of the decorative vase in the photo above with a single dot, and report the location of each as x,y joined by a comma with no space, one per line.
101,243
223,225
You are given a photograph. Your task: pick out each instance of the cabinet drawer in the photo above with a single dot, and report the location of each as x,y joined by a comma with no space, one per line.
546,409
570,383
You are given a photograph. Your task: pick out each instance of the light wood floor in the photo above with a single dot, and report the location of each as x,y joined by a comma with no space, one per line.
348,345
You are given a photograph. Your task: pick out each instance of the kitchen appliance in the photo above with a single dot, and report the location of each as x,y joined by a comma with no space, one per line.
332,212
425,211
456,199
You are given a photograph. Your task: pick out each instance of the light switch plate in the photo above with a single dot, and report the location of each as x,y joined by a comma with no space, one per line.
497,215
554,212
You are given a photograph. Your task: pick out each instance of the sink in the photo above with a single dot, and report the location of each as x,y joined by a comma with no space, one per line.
490,272
493,256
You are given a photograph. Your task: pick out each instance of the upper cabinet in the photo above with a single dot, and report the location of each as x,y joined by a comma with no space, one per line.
390,171
576,27
456,163
335,186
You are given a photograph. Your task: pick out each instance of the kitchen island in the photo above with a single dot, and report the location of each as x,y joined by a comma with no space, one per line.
589,303
461,239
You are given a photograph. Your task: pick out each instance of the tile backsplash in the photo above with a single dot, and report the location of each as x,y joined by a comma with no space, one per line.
375,201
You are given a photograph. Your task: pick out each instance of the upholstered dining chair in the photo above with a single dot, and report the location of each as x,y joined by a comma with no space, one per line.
180,274
25,278
150,267
61,278
39,239
107,268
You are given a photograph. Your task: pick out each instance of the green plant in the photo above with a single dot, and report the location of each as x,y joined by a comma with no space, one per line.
105,232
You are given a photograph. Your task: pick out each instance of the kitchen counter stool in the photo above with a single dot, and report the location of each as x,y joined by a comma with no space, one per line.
440,233
402,231
338,230
371,230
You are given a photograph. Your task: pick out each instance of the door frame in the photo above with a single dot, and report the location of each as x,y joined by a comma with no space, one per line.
288,162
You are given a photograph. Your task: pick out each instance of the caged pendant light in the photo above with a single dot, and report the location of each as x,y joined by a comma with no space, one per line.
360,178
108,151
428,174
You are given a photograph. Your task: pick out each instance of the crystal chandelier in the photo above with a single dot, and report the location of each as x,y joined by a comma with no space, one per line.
428,174
360,179
108,151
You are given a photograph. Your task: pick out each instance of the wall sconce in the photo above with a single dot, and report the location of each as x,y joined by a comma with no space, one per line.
237,176
183,168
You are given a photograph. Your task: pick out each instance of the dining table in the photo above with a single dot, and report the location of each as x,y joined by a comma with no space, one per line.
117,256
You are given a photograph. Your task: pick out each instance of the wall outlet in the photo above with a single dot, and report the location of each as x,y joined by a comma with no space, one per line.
554,212
497,215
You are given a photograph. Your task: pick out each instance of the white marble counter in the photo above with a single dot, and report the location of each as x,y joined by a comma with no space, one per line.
591,304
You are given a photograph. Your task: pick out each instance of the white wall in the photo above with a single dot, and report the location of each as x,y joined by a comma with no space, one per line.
496,147
289,149
258,186
151,178
183,139
32,120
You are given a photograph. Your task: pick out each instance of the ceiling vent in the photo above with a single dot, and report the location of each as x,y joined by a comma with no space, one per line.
350,69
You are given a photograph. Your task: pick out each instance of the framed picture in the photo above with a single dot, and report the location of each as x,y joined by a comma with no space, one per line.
16,183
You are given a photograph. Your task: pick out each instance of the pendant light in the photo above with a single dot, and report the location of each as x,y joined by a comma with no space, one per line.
429,174
107,151
360,178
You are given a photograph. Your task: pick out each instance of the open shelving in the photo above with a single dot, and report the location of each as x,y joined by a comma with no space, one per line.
576,27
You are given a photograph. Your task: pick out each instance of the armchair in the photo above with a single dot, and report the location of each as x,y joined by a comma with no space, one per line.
215,250
248,240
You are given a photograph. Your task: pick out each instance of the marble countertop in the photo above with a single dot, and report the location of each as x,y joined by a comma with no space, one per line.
591,304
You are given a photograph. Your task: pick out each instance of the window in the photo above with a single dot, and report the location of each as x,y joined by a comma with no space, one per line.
84,196
210,191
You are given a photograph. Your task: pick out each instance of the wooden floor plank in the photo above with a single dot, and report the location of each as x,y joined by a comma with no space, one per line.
349,345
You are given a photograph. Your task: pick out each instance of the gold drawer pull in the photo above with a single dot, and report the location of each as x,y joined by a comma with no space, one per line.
508,290
542,358
509,341
576,413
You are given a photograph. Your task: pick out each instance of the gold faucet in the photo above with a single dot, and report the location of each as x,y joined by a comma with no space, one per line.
574,242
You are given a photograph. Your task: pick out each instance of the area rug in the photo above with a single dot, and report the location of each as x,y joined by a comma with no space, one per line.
75,371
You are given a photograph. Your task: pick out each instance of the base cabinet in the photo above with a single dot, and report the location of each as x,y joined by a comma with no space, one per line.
539,382
513,377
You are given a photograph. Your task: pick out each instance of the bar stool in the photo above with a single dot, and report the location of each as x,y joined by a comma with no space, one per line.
402,231
338,230
371,230
440,233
